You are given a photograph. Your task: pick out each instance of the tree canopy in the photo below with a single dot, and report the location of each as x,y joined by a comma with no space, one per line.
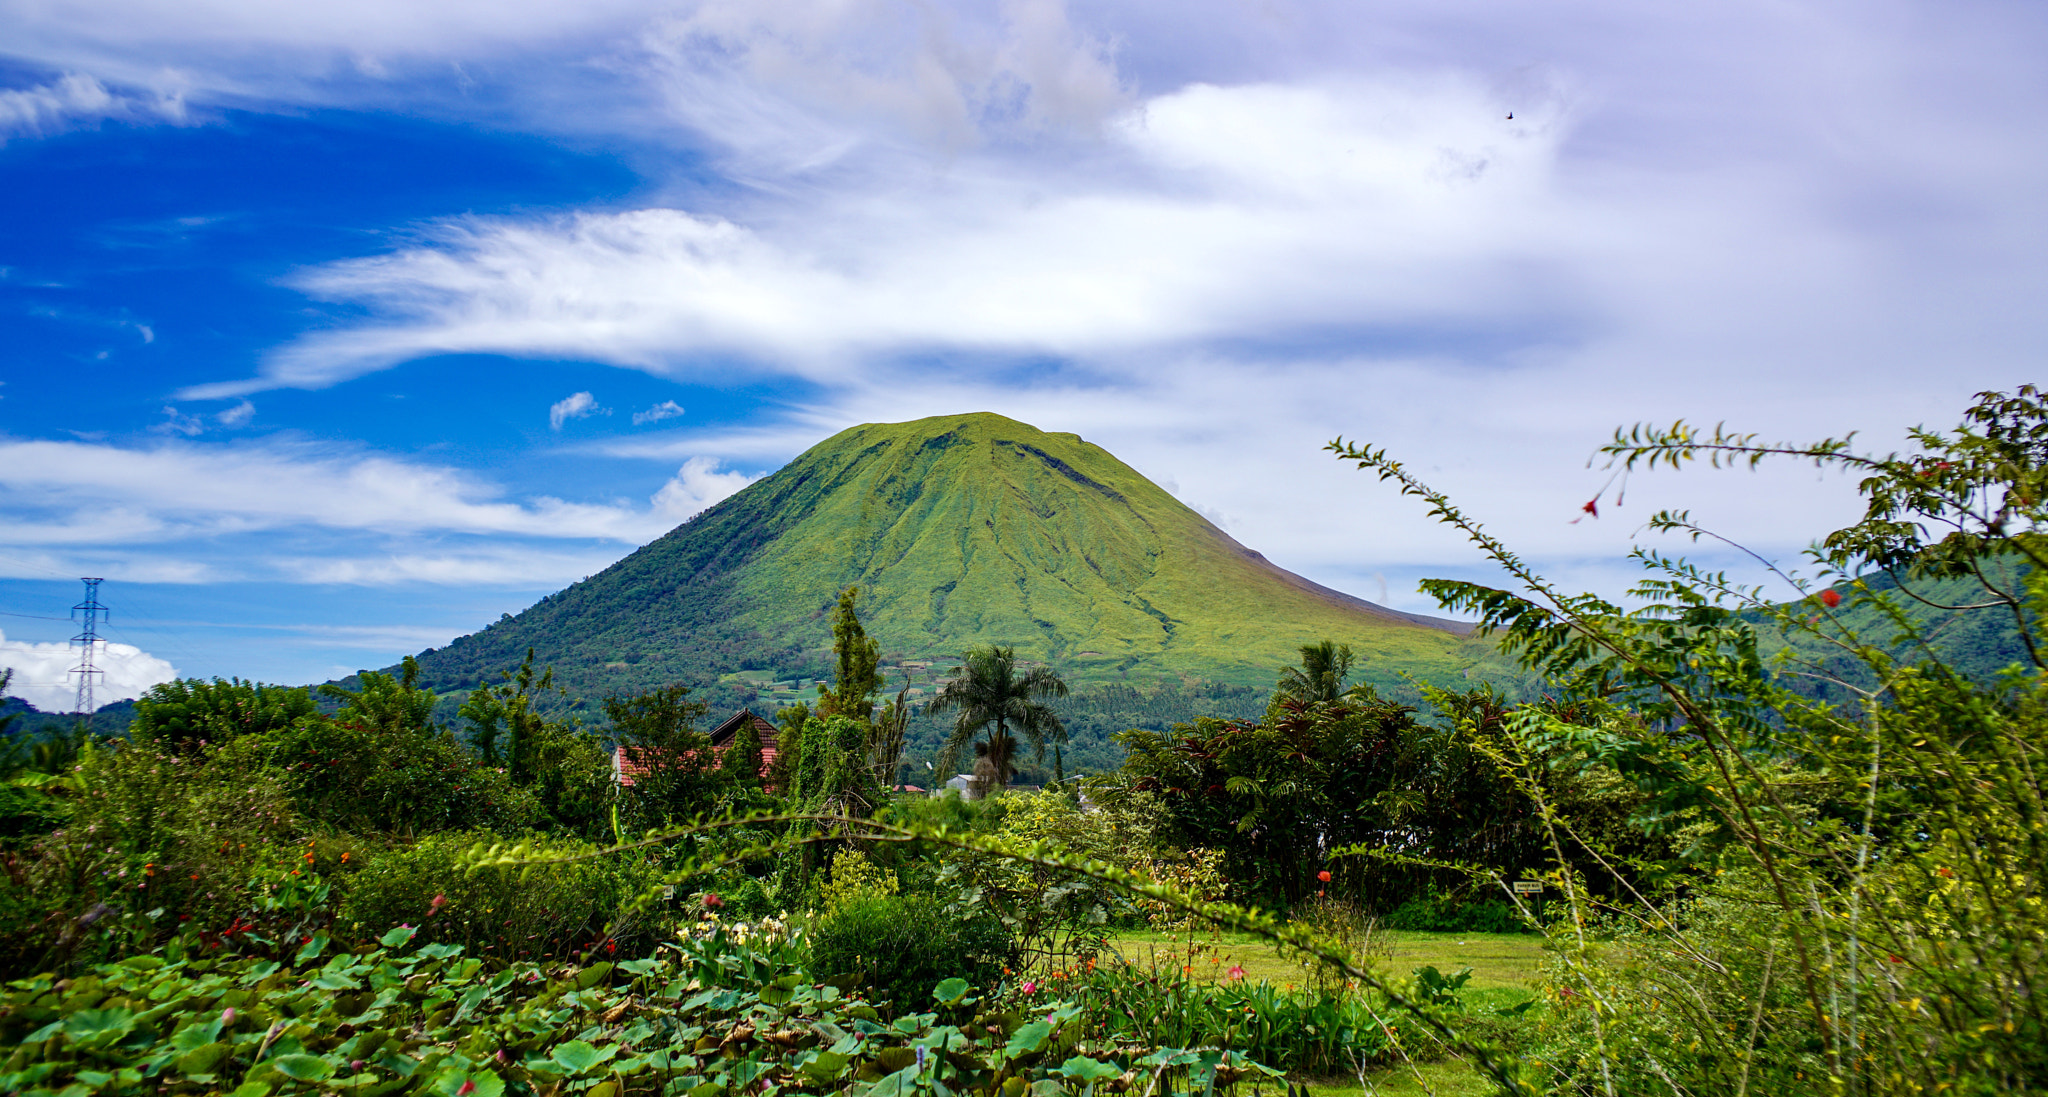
987,693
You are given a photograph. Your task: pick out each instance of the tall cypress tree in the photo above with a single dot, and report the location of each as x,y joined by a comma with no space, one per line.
859,658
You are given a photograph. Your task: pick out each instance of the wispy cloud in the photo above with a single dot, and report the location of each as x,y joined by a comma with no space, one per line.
499,565
1238,213
77,99
182,490
667,409
577,405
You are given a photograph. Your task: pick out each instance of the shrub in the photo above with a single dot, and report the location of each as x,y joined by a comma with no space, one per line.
1308,1032
394,780
184,714
1441,912
27,814
552,910
158,841
899,947
854,878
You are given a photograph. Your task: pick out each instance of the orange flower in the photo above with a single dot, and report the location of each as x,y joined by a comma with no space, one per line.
1324,876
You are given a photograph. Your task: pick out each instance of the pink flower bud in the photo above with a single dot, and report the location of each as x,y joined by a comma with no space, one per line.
467,1089
227,1016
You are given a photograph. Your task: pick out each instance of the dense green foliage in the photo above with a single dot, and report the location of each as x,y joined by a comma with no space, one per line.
188,713
895,948
1861,904
711,1016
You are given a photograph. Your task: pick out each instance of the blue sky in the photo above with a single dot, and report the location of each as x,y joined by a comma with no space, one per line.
329,332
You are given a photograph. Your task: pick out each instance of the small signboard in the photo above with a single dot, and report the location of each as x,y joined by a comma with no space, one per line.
1528,887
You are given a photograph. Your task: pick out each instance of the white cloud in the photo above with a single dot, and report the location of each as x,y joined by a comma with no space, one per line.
795,87
181,490
667,409
498,565
176,422
578,405
696,486
1241,213
76,99
42,672
236,416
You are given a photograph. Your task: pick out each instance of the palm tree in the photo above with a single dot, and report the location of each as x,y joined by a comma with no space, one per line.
1320,680
987,690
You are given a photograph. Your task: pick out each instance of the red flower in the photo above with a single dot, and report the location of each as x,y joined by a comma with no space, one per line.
1324,876
712,900
1592,506
467,1089
1830,598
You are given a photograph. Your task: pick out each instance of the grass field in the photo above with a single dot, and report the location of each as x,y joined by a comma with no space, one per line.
1504,970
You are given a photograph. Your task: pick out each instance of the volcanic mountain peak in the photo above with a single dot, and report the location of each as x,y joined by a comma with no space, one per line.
960,530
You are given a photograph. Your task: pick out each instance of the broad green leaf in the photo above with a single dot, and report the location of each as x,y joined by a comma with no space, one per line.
828,1066
304,1068
1028,1039
484,1083
577,1056
592,975
1083,1069
202,1059
88,1024
888,1060
397,937
312,950
192,1037
903,1083
951,991
252,1089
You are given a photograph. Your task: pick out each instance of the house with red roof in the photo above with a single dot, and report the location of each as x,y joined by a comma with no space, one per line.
744,722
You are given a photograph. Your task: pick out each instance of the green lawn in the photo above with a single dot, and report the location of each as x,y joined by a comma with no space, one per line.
1504,969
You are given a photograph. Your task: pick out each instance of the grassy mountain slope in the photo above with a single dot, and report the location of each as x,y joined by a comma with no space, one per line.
960,530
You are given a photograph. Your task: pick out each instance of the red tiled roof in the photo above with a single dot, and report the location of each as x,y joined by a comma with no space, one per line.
625,767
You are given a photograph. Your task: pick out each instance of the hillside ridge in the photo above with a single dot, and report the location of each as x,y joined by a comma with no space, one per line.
961,530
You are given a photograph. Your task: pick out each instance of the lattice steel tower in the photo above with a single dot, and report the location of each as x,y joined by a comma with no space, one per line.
89,612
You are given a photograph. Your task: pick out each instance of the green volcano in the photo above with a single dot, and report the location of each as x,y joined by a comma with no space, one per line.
960,530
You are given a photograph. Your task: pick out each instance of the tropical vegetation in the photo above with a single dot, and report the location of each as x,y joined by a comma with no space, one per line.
1762,849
